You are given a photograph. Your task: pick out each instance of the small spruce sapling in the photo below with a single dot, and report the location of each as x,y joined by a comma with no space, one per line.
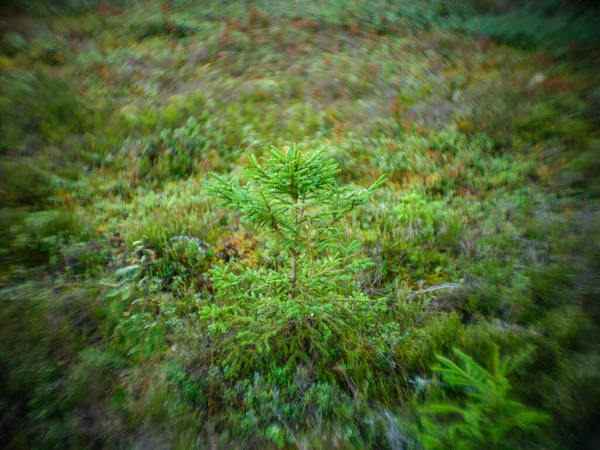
293,312
297,199
489,417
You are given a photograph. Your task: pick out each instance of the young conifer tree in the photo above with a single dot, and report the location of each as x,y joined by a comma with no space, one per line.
296,198
293,311
489,417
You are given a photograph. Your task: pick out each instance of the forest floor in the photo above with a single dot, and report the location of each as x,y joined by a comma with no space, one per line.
486,232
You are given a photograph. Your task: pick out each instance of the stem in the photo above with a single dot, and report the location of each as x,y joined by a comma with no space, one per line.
293,275
293,251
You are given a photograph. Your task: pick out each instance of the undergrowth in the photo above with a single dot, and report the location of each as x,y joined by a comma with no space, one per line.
199,250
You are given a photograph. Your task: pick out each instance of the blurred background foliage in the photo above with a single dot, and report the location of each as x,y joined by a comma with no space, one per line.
483,115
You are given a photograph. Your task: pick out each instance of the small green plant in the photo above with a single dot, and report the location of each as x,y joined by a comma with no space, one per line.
489,417
302,309
297,200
